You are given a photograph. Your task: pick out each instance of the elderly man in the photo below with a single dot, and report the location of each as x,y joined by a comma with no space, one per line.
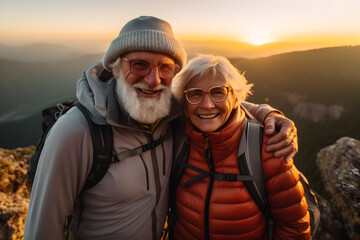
131,200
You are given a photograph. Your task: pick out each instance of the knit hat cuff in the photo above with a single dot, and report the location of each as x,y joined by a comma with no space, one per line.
145,40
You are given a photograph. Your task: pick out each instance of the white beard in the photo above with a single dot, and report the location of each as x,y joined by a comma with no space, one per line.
142,109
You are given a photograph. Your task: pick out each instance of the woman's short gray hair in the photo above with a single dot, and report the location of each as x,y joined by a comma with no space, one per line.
217,67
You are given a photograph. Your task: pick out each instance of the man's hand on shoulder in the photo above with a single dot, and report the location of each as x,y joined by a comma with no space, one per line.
285,142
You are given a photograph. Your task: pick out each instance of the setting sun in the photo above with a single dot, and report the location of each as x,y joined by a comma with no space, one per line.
240,28
258,37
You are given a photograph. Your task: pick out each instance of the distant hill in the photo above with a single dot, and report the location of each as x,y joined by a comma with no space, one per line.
45,52
38,52
232,49
26,88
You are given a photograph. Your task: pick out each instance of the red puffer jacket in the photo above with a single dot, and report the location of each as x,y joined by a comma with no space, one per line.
213,209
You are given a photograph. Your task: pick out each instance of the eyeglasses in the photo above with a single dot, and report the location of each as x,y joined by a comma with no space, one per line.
197,95
141,67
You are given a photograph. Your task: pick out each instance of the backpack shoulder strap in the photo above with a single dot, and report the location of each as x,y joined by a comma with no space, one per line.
180,155
249,160
102,140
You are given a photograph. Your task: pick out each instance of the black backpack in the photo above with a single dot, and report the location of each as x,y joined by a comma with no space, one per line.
101,138
249,162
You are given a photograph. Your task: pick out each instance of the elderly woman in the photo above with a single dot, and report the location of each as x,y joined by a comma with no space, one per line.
211,89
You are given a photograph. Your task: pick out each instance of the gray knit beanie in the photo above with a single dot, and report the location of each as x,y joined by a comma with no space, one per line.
145,33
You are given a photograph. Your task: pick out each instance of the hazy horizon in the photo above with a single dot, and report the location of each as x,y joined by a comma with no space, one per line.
230,49
253,27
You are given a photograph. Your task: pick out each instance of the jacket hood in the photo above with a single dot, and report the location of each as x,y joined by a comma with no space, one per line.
92,92
101,99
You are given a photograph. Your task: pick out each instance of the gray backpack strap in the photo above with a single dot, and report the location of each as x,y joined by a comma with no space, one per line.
143,148
249,160
254,142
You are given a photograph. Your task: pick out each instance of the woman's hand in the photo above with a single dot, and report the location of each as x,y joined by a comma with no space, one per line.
285,142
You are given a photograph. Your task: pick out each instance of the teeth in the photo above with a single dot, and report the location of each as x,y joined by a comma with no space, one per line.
207,116
148,91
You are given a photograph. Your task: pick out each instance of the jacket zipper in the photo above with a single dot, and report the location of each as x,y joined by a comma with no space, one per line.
157,188
210,161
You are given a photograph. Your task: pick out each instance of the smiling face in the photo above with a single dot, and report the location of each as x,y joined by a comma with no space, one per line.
208,116
146,98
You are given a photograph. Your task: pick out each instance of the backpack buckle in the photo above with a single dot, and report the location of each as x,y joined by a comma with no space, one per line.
230,177
149,146
106,158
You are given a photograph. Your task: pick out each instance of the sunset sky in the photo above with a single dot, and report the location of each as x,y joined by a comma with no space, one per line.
94,23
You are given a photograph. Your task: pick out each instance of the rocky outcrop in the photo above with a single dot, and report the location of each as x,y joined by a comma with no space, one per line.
14,192
339,165
331,226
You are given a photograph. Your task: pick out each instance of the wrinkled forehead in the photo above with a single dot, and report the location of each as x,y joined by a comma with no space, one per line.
207,80
149,56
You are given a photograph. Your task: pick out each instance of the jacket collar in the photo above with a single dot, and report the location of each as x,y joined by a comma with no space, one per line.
223,142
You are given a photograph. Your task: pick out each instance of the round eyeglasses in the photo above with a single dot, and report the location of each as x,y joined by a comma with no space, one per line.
216,94
142,67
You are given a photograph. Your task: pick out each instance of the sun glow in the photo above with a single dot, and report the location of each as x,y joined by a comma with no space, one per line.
258,37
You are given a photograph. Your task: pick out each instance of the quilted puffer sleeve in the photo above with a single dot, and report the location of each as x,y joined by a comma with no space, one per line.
288,205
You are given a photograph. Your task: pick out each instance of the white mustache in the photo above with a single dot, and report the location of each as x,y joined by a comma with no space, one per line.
143,86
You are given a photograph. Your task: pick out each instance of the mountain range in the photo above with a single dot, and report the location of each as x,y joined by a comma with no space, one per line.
318,89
